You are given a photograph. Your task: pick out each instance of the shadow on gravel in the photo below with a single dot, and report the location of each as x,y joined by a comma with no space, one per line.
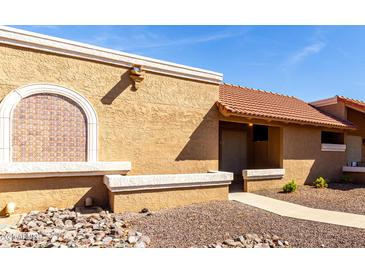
345,186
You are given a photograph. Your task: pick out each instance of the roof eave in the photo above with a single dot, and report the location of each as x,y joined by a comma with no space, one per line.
354,105
227,112
325,102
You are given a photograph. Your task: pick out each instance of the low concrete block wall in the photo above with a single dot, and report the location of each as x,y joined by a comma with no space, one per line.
356,174
134,201
258,179
155,192
122,193
255,185
357,178
38,186
61,192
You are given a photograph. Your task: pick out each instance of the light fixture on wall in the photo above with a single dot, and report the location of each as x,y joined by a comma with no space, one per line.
8,210
137,74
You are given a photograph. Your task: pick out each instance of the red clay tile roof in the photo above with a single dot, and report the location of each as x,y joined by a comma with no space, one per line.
260,104
352,102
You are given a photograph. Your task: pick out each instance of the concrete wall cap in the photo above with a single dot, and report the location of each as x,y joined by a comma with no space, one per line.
117,183
257,174
355,169
61,169
333,147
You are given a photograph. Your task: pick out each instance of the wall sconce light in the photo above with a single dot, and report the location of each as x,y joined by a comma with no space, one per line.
8,210
250,125
137,74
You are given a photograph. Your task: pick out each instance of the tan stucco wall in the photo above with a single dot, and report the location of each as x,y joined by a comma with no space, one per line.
39,194
169,125
356,177
338,110
255,185
301,155
358,118
275,146
167,198
303,159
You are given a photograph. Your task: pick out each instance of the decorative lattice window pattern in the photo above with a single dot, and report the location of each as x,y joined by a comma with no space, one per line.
48,128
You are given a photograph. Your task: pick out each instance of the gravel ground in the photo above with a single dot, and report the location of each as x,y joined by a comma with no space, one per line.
67,228
339,197
203,224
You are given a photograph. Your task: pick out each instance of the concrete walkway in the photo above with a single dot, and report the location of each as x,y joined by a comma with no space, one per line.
298,211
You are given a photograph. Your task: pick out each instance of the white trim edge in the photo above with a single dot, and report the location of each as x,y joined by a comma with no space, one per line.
325,102
27,39
333,147
118,183
10,101
263,174
355,169
61,169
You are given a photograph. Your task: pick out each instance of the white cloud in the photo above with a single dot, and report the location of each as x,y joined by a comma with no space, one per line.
143,38
303,53
192,40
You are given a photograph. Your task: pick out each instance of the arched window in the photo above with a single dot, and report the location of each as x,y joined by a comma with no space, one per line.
47,123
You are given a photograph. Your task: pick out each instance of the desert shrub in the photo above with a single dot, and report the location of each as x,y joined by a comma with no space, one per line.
290,187
346,179
321,182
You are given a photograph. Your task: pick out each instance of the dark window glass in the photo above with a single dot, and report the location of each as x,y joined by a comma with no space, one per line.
329,137
260,133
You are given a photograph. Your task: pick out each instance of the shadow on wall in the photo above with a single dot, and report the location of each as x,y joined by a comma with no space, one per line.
328,165
322,168
118,89
304,159
41,193
203,142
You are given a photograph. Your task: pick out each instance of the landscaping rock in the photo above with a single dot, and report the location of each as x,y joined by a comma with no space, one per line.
231,242
253,241
64,228
140,245
107,240
145,239
133,239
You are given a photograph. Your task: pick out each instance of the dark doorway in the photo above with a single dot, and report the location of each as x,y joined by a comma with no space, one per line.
233,151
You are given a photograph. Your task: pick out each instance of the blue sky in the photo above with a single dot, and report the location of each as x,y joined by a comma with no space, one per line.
309,62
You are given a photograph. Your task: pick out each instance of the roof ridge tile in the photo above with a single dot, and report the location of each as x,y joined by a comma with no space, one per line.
261,90
351,99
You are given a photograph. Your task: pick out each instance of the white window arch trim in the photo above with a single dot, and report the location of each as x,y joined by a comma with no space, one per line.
9,103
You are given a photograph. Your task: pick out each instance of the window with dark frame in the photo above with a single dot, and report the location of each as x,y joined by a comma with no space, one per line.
330,137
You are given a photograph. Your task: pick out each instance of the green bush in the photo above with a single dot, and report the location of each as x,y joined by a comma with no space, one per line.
290,187
321,182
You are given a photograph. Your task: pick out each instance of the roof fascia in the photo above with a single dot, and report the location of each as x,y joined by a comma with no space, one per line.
31,40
